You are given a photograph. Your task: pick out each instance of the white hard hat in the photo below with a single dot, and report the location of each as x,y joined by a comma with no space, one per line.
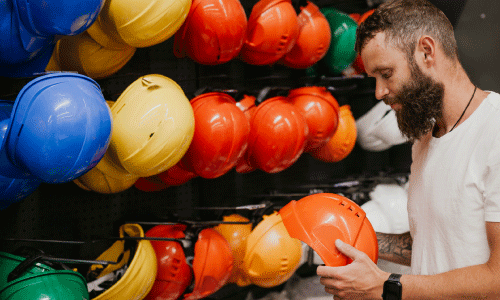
387,209
378,129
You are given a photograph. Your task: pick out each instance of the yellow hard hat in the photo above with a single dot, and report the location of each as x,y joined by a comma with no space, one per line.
83,54
153,126
140,274
105,178
271,255
141,23
236,235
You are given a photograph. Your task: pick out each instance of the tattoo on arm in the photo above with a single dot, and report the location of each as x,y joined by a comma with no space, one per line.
395,247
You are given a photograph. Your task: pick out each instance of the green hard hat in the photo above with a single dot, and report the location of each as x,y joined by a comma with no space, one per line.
8,262
49,285
341,53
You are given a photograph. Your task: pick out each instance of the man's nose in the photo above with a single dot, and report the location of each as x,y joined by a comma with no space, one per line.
381,91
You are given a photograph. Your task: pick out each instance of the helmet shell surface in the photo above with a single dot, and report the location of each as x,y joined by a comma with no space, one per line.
320,219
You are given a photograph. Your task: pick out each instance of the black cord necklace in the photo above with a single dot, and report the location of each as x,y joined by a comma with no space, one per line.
475,88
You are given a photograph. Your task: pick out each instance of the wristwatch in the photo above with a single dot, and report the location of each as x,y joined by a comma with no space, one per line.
393,290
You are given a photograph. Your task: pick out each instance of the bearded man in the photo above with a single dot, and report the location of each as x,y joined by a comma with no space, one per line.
453,247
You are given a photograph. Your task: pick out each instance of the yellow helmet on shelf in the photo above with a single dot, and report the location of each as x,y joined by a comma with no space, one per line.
271,255
153,126
141,23
83,54
106,178
140,274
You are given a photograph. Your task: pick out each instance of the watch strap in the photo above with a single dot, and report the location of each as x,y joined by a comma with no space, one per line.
394,277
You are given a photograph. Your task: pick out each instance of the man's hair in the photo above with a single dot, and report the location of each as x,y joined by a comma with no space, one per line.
404,22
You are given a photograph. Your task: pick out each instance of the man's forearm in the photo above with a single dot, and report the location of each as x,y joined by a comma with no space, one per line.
395,247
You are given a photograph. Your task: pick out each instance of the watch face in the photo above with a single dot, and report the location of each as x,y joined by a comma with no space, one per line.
392,291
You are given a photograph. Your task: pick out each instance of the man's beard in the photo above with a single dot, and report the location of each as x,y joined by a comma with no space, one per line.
422,104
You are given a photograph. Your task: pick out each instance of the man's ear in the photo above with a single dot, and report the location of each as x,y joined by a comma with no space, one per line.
427,49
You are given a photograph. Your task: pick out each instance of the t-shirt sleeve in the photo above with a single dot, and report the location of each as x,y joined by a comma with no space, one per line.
492,183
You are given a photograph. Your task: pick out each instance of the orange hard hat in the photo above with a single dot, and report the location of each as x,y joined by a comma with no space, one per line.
313,41
365,15
176,175
174,274
150,184
220,135
212,264
273,28
271,254
213,33
342,142
355,16
247,105
278,135
321,111
320,219
236,235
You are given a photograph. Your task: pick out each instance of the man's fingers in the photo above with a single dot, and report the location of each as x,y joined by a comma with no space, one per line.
347,249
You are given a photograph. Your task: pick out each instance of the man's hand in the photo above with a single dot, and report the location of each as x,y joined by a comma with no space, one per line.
361,279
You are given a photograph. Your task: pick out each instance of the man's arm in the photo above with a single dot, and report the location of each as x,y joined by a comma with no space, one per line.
395,247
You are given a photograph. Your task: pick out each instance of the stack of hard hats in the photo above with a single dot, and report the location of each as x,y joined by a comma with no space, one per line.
153,126
211,263
341,53
266,255
313,40
121,27
213,33
58,128
320,219
30,30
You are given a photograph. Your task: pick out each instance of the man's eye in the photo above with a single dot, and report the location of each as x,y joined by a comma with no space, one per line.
386,75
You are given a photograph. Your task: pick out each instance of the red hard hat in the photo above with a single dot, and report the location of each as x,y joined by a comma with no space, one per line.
277,136
176,175
321,111
358,62
150,184
272,31
342,142
220,135
213,33
313,41
212,264
319,219
174,274
247,105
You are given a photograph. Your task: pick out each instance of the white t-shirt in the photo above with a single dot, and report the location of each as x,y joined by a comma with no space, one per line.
454,190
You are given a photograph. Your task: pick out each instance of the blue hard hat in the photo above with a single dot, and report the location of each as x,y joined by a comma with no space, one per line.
18,45
59,128
13,190
33,67
57,17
